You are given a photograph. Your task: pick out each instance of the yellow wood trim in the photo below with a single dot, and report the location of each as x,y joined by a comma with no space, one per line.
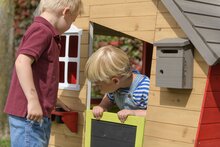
137,121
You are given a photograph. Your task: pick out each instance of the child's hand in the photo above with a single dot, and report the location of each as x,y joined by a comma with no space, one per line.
34,111
97,112
123,114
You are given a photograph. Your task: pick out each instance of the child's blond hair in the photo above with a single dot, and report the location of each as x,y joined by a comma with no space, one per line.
106,63
74,5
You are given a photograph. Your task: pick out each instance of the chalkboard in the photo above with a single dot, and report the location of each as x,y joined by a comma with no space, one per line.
110,132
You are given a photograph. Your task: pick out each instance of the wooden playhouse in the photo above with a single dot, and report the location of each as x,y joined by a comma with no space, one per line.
177,115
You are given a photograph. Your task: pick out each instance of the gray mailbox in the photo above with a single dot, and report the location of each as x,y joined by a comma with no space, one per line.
174,63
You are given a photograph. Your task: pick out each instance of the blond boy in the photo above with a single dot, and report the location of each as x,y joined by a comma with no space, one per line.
34,85
110,69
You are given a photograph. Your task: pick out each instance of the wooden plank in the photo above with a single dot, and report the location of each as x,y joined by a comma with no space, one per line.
173,116
65,141
209,131
63,130
208,143
50,145
107,2
200,69
158,142
83,63
161,7
170,132
60,128
165,20
162,33
78,105
135,1
204,21
73,94
85,37
212,100
209,34
82,23
123,10
185,101
123,24
84,52
199,8
86,9
147,36
104,2
198,86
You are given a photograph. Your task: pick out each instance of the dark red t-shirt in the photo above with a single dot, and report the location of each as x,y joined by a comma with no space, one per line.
41,41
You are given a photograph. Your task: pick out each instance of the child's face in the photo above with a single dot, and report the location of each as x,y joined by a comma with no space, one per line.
105,87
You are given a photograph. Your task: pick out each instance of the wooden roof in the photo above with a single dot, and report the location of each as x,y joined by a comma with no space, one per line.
200,20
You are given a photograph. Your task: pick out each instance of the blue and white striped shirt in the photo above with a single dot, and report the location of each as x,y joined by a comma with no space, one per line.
140,93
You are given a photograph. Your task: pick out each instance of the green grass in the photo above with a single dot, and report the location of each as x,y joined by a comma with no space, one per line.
4,143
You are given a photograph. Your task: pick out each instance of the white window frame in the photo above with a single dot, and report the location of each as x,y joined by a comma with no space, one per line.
73,31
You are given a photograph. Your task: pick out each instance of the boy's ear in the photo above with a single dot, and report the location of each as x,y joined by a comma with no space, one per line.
66,10
115,80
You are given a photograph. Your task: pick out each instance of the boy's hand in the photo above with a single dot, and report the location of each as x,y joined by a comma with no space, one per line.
123,114
97,112
34,111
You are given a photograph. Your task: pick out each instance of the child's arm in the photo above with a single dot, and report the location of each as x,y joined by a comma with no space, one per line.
25,76
123,114
103,106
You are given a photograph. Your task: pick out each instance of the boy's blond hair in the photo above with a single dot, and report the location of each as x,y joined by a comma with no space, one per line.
106,63
74,5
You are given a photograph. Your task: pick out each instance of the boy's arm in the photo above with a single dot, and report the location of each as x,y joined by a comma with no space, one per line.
25,76
139,112
106,103
103,106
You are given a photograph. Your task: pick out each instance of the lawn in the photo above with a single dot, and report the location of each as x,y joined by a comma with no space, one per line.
4,143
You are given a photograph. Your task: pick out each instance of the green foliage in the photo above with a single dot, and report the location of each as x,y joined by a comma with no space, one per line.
24,10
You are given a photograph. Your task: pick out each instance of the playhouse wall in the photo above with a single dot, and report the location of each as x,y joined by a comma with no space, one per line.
173,115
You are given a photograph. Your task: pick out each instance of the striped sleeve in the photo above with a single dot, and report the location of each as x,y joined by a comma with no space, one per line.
140,94
111,97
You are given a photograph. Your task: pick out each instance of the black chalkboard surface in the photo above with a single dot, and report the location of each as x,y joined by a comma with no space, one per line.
109,134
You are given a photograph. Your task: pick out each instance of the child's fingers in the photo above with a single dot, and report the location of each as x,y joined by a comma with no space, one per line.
34,117
122,116
97,113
